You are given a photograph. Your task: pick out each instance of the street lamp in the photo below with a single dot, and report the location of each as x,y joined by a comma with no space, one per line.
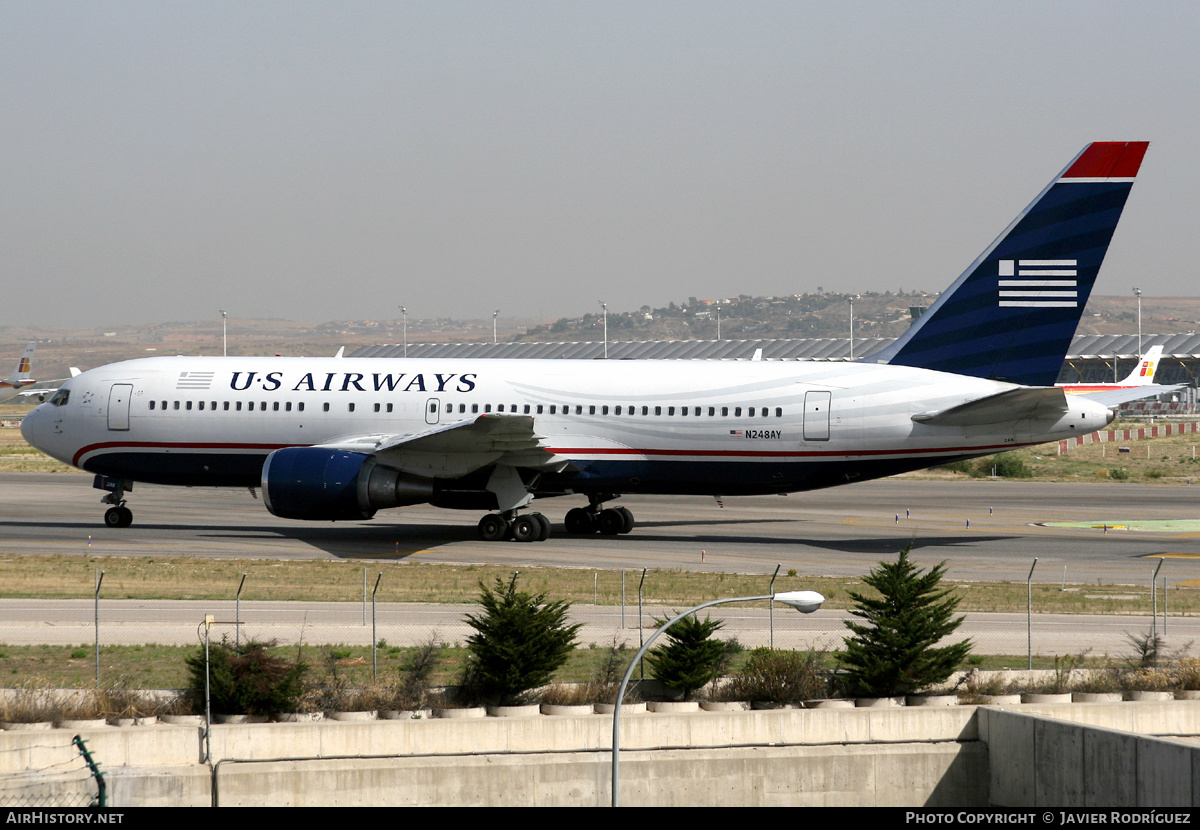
718,321
1137,292
851,329
224,339
494,315
604,306
803,601
404,314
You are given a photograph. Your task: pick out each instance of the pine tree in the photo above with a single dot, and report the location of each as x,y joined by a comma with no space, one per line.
894,650
520,640
692,657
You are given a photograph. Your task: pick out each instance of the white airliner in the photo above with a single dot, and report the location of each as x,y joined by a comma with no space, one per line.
341,438
1141,379
21,384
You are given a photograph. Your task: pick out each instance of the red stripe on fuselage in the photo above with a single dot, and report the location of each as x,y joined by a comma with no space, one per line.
585,451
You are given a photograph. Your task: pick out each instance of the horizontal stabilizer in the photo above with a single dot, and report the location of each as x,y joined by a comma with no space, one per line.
1018,404
1112,397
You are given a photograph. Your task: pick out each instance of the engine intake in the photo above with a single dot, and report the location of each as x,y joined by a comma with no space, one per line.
328,485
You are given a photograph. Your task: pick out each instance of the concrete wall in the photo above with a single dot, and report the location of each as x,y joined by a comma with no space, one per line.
1114,756
1097,755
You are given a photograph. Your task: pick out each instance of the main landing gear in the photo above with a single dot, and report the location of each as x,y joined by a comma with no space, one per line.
591,519
528,527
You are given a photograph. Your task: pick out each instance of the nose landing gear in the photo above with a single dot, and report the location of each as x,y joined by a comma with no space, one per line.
118,515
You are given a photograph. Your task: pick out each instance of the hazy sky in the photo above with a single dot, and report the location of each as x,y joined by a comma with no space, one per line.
317,161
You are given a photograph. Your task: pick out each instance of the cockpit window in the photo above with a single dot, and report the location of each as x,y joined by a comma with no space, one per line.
61,397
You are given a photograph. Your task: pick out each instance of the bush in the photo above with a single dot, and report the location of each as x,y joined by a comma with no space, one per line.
777,677
1003,465
691,658
520,640
894,651
255,682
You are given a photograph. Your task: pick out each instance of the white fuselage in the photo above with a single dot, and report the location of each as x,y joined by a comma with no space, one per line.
712,427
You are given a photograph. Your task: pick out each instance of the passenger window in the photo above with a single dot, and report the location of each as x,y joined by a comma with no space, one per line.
527,409
263,406
751,413
189,405
724,412
376,407
288,406
683,411
300,406
552,409
617,411
350,407
591,410
658,410
275,406
324,407
151,405
779,412
539,409
225,406
238,406
474,408
487,407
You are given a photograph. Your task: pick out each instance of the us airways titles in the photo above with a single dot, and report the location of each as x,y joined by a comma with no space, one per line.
356,382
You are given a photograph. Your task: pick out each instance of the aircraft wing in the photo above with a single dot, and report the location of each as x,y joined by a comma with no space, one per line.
1112,397
1016,404
456,449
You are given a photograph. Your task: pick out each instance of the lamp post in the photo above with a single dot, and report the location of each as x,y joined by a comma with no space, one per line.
495,314
1137,292
851,329
604,306
404,315
718,321
224,339
803,601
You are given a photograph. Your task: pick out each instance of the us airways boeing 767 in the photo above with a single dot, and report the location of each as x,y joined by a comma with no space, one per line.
343,438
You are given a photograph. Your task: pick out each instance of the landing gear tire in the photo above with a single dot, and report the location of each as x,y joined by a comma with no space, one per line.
544,533
612,521
579,521
627,516
493,528
118,517
526,528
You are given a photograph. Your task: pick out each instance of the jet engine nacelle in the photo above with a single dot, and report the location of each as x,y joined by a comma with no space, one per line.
328,485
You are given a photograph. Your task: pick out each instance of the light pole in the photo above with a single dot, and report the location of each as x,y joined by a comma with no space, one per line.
1137,292
404,315
803,601
718,321
224,339
604,306
852,329
495,314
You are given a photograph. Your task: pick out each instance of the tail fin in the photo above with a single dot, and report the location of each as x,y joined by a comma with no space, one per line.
1011,315
1143,375
24,366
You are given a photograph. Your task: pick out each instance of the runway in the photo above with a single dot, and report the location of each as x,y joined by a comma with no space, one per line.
987,530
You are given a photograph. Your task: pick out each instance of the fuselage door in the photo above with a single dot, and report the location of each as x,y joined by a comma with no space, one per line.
432,409
816,416
118,406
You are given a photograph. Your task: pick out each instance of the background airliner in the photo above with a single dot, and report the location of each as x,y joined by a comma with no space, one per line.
1141,379
21,384
341,438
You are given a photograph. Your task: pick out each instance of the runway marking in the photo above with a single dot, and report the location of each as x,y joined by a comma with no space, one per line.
1189,527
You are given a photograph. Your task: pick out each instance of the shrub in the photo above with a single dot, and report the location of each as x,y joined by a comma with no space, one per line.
520,640
1002,465
255,682
894,651
691,658
777,677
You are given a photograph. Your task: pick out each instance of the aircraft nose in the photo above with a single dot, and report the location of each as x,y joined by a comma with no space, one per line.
34,427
